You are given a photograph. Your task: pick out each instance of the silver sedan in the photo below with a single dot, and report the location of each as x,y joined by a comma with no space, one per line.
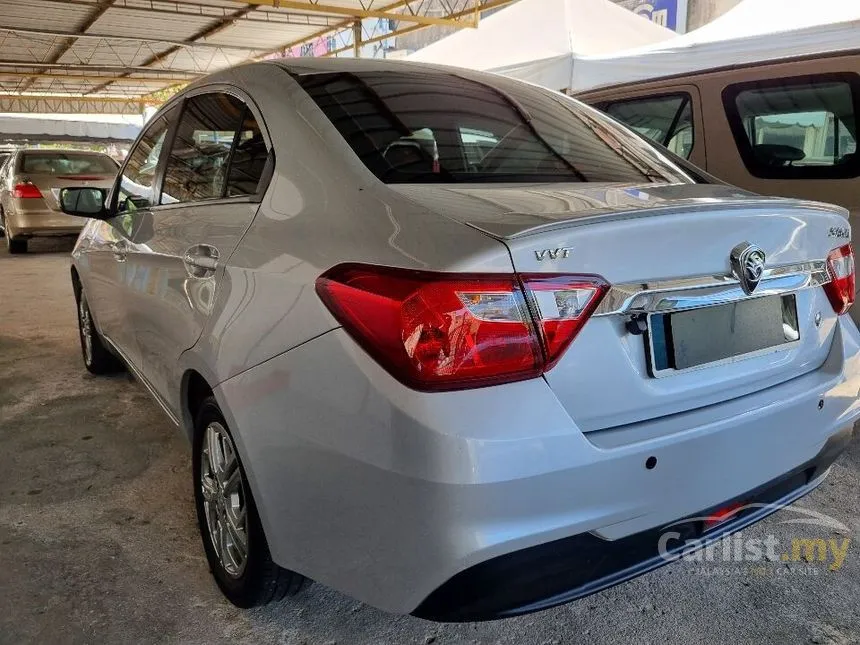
456,345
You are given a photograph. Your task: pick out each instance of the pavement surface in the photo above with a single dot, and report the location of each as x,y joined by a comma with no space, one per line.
99,544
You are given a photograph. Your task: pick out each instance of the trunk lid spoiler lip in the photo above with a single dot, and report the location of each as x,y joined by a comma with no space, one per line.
685,207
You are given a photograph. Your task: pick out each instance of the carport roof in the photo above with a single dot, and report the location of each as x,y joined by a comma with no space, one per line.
116,55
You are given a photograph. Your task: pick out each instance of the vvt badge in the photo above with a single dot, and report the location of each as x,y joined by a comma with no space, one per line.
747,262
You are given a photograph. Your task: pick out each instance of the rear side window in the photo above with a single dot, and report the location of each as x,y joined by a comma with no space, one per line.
667,120
218,151
249,159
797,127
66,163
438,127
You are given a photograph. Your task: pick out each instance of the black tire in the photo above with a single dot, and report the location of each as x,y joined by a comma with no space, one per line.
16,246
260,581
98,360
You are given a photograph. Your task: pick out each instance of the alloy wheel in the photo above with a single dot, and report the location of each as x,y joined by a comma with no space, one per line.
86,323
224,500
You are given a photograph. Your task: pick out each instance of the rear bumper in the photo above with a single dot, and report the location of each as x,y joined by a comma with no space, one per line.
558,572
391,495
24,223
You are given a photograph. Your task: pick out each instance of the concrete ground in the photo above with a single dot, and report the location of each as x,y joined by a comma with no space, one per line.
98,541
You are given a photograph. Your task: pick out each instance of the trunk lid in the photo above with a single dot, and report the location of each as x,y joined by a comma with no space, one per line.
669,238
49,184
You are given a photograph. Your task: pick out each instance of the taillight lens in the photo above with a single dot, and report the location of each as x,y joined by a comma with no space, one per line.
562,304
26,191
440,331
840,289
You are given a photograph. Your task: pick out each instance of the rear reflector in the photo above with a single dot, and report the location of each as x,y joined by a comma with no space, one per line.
442,331
840,289
26,191
721,515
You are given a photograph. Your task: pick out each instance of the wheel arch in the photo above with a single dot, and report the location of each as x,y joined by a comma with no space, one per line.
194,390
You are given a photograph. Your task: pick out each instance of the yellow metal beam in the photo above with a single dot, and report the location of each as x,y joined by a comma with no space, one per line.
385,13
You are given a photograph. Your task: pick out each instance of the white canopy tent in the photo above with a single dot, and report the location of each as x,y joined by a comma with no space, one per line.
539,40
754,30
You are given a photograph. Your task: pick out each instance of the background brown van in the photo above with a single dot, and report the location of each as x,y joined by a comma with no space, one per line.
785,128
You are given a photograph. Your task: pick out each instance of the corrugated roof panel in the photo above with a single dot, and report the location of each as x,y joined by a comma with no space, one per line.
265,35
139,23
40,14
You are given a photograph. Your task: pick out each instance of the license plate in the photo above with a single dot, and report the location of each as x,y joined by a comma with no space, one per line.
698,338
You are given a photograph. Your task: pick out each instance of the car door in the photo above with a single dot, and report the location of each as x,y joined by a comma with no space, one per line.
209,196
104,257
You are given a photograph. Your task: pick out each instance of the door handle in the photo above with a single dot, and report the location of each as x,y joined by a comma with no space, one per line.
201,260
120,250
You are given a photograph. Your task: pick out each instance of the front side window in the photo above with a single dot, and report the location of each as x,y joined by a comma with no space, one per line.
428,126
137,182
667,120
794,128
197,165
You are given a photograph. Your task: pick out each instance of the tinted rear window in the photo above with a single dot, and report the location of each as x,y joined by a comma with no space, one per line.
66,163
428,126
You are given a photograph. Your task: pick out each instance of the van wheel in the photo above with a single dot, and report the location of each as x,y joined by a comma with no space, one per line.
230,527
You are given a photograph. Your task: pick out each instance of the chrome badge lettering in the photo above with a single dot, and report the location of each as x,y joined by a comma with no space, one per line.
553,254
840,232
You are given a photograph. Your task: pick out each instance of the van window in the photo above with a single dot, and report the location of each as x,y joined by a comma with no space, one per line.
667,120
795,129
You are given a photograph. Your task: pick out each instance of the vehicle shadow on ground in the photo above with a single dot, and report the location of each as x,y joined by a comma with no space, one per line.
43,246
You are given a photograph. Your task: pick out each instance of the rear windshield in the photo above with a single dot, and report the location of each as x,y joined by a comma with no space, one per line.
67,163
438,127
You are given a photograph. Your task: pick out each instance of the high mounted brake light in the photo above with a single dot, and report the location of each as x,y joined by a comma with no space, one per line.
444,331
840,289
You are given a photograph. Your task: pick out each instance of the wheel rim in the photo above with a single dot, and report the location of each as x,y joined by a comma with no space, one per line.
86,330
224,499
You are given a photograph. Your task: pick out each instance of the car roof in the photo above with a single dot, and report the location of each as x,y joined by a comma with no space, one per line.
309,65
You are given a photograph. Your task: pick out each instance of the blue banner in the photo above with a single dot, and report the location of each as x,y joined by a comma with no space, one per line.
671,14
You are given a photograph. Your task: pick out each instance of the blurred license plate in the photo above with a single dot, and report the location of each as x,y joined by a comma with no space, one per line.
689,339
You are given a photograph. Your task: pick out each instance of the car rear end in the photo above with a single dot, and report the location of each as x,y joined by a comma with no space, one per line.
518,397
33,208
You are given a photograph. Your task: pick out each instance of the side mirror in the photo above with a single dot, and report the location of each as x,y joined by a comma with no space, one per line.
84,202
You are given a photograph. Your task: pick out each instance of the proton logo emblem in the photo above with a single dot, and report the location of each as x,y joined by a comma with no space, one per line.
747,262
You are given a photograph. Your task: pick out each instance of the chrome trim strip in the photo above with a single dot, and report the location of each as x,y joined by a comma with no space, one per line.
705,291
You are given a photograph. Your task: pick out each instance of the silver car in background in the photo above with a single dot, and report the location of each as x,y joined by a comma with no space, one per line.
30,183
456,345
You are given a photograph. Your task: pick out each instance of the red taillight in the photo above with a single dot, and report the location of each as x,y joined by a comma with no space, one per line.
26,191
561,305
439,331
840,289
